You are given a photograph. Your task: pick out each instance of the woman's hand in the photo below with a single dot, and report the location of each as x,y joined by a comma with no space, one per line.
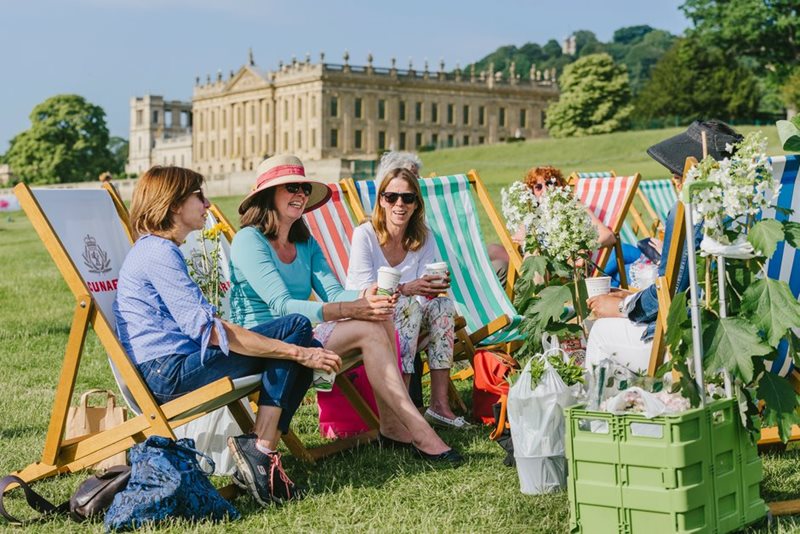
427,286
372,307
318,358
606,305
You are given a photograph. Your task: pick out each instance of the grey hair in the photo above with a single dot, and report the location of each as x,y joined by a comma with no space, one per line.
397,160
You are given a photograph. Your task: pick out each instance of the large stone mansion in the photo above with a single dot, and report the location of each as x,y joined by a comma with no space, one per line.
334,112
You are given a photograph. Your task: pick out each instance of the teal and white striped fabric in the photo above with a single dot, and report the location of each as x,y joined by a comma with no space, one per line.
366,194
451,215
661,195
627,234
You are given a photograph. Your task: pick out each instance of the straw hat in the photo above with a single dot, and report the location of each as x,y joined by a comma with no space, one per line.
279,170
672,152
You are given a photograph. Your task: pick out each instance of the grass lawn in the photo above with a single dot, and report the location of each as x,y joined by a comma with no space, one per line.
361,490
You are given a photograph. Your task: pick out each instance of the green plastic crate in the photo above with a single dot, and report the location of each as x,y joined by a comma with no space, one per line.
697,471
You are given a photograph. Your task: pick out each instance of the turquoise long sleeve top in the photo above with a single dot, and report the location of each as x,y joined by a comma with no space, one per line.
264,288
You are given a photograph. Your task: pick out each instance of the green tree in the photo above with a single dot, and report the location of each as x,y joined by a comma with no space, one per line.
791,90
594,99
630,35
67,142
766,31
118,146
691,81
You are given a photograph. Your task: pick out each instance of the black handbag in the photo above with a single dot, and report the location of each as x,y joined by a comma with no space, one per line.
92,497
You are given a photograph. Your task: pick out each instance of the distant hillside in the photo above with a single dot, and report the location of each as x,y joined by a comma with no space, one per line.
637,47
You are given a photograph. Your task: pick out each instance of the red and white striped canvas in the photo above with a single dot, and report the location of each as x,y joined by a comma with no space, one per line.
332,226
607,197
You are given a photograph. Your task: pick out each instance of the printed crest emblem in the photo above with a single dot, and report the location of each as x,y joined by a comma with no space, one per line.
94,257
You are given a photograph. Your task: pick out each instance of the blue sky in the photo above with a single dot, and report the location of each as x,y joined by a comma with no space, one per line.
111,50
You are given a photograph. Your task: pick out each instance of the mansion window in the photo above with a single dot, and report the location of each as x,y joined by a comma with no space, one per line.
418,140
299,139
139,115
435,139
357,111
313,138
465,141
357,140
382,109
523,118
155,116
450,140
401,112
501,116
465,115
402,140
334,138
334,108
434,112
481,116
418,112
451,114
381,140
299,108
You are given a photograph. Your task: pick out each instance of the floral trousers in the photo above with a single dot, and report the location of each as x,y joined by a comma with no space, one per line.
425,325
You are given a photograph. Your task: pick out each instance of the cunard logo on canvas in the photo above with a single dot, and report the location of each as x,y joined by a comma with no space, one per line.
94,257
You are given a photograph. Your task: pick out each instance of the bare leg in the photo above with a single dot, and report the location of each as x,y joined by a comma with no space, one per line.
380,362
440,402
266,427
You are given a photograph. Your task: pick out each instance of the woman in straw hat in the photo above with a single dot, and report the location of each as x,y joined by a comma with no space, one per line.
178,344
275,266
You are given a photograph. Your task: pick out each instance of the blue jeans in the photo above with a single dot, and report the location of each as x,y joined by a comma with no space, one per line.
283,382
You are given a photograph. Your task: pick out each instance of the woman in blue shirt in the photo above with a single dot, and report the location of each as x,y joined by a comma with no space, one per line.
275,266
172,334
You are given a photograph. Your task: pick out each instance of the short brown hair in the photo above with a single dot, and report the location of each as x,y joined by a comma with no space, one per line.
416,232
546,173
159,191
261,214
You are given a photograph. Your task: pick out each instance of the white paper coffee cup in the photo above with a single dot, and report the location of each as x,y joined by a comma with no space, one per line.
388,279
322,381
438,268
599,285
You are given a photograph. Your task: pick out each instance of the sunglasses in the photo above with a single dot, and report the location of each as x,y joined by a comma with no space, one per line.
407,198
539,187
199,193
294,188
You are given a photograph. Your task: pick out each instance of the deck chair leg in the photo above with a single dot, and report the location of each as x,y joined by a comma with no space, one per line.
297,448
456,402
66,382
241,415
357,401
623,277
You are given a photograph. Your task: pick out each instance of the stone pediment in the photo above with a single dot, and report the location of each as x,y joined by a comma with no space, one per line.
247,78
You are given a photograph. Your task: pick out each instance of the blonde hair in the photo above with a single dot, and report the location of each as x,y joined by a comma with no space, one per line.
261,214
416,231
159,191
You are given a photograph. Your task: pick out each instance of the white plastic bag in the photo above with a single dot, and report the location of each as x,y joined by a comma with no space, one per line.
536,416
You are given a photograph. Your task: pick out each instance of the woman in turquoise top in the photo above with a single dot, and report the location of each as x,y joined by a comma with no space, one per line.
275,266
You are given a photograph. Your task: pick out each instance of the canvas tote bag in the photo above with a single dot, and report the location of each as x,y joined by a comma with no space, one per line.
84,419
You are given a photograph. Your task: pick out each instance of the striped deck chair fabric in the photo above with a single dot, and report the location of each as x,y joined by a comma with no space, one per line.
606,198
785,262
661,195
366,193
627,234
453,221
332,226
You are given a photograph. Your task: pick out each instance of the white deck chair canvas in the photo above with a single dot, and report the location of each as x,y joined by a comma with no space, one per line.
84,234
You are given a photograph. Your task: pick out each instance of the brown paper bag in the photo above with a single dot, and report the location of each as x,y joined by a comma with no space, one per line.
84,419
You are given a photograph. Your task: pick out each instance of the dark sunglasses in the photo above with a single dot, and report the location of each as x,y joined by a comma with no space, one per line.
407,198
293,188
199,193
539,187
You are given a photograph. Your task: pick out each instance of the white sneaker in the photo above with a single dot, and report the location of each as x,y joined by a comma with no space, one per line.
439,420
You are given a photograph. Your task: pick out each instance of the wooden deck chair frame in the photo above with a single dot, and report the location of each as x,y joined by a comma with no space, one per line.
627,203
60,455
466,343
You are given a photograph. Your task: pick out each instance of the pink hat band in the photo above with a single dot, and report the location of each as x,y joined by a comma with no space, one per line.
278,171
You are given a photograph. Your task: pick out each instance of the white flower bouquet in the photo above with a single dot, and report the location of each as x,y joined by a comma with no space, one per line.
561,227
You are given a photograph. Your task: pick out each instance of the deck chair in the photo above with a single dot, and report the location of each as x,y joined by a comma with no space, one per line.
362,198
609,199
85,235
657,197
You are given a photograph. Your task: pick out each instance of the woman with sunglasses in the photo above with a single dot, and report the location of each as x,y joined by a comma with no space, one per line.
178,344
276,265
398,237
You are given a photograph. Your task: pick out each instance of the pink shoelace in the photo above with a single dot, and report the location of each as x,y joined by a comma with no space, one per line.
276,464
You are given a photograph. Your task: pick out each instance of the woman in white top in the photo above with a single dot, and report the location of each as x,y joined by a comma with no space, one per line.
398,237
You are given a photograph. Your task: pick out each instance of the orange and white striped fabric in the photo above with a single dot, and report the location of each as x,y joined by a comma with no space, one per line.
332,226
609,199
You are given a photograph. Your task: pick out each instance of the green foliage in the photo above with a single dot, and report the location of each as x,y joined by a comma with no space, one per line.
780,403
67,142
790,90
570,372
773,308
792,232
118,147
594,99
761,33
692,81
789,132
730,343
764,236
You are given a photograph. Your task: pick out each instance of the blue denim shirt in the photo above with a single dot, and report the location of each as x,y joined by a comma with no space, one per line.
645,303
159,309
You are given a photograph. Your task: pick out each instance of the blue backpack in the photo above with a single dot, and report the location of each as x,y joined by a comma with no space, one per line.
166,482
